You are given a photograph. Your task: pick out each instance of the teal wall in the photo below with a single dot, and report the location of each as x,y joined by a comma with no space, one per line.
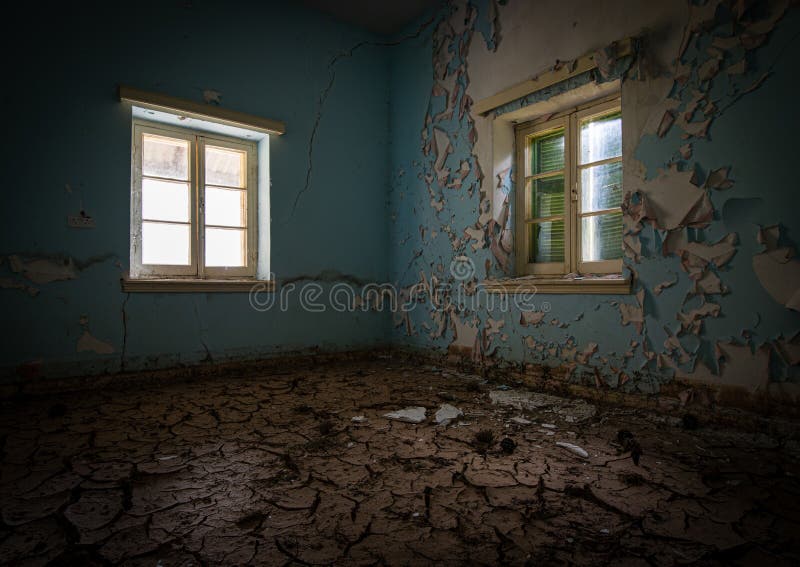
64,126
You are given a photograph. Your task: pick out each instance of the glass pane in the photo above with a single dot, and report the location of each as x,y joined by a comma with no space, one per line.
165,244
601,187
225,167
546,241
548,197
601,237
165,200
601,138
225,247
547,152
226,207
165,157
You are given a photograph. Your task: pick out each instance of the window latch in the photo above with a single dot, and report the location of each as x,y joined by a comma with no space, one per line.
575,195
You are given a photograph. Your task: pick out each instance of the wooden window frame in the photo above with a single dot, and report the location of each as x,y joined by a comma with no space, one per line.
570,121
197,269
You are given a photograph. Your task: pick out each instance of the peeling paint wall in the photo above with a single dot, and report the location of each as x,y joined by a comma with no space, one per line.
63,309
709,227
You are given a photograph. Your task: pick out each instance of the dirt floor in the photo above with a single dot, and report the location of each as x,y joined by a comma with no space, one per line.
276,470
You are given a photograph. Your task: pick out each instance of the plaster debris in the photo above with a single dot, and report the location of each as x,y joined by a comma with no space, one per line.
447,413
574,411
359,419
580,451
414,414
521,420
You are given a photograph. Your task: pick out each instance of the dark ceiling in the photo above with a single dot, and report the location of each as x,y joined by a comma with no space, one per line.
385,17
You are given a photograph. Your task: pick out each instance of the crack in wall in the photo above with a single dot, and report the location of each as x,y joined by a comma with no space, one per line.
326,91
124,332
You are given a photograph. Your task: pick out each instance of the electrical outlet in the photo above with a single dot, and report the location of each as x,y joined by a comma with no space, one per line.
78,221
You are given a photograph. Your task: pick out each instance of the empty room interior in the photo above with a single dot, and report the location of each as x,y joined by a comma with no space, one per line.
419,282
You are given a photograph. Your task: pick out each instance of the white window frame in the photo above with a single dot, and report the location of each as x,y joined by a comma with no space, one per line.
198,140
570,122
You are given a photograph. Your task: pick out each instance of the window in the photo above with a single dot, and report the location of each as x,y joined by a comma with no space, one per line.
569,197
193,204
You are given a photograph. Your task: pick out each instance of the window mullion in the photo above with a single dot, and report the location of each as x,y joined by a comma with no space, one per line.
570,147
200,192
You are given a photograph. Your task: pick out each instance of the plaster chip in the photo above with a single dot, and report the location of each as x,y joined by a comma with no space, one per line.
666,123
580,451
414,414
476,234
693,320
533,318
8,283
442,149
708,70
658,288
695,256
671,198
587,353
741,367
210,96
718,179
447,413
778,271
87,342
708,283
738,68
789,351
44,270
686,151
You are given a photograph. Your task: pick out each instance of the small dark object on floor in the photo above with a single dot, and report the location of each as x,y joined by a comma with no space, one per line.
474,386
508,445
690,422
57,410
629,444
303,409
484,440
325,427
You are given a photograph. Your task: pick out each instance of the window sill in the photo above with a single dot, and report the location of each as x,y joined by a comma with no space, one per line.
615,284
178,285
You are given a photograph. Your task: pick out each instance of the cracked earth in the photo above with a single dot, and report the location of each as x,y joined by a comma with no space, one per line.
273,470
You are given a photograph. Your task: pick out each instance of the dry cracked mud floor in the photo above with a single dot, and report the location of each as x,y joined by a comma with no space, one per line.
273,470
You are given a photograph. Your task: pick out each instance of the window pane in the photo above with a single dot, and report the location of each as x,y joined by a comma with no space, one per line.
601,187
546,241
601,237
226,207
165,200
165,157
548,197
601,138
225,167
547,152
166,244
225,247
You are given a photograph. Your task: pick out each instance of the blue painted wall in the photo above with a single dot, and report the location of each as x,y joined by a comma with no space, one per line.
65,127
751,133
